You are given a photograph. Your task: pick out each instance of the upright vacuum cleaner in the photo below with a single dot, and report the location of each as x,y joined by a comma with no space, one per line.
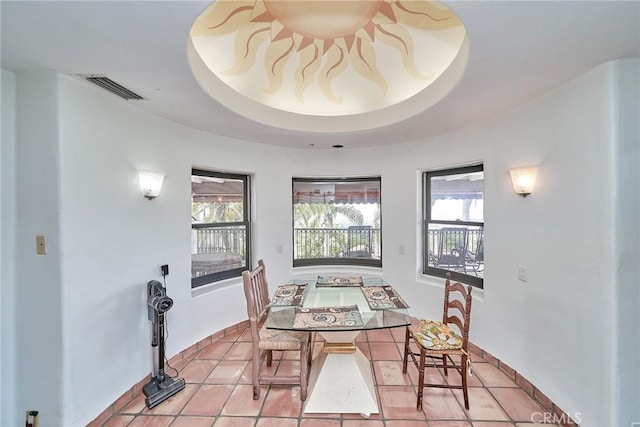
161,387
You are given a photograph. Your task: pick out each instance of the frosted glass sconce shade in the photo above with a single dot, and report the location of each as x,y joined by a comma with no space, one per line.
523,179
150,183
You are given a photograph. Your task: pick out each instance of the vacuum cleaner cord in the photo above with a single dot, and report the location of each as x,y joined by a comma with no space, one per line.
166,336
166,361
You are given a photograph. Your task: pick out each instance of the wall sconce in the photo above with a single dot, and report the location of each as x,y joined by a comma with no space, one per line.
523,179
150,183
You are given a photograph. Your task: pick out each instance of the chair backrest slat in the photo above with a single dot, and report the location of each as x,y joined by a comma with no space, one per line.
458,300
456,321
457,305
256,291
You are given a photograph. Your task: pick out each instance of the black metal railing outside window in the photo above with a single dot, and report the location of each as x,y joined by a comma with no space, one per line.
313,243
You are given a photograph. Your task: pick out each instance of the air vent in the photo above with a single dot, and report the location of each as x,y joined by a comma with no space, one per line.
113,87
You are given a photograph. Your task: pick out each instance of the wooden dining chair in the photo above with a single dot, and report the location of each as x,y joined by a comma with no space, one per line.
441,342
266,341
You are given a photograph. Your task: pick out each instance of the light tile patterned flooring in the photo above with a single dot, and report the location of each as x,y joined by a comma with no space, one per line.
219,393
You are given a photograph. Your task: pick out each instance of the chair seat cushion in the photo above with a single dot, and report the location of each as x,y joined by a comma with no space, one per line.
273,339
436,336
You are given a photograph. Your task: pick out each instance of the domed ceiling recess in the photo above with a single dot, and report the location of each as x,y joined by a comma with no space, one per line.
327,65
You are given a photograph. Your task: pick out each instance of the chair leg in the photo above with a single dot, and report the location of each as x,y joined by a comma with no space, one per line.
444,364
269,357
465,391
421,378
255,376
406,351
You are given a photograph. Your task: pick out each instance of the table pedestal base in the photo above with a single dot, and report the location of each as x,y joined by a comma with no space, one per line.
340,384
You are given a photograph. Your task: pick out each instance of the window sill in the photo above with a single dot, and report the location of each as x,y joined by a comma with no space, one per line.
425,279
215,286
307,271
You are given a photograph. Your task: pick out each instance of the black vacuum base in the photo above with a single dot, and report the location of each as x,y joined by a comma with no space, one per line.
159,391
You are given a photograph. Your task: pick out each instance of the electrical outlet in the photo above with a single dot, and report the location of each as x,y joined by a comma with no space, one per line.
401,250
32,419
279,249
41,245
523,274
164,270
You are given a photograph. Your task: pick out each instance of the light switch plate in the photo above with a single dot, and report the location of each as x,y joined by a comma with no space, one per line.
523,274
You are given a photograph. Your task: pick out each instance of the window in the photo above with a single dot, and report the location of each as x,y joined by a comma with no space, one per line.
454,224
336,221
220,231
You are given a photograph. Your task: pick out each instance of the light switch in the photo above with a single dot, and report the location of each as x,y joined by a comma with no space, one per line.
41,245
523,274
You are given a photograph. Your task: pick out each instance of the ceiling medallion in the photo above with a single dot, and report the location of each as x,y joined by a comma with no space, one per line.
325,58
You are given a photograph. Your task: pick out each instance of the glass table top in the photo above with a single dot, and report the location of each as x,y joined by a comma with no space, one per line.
336,294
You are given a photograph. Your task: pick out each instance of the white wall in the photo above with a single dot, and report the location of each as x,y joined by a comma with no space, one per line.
8,217
562,233
38,301
626,166
112,240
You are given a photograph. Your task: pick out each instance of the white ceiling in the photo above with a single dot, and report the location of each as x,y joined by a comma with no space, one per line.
518,51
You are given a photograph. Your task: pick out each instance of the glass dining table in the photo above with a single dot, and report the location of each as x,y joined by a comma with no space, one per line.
338,308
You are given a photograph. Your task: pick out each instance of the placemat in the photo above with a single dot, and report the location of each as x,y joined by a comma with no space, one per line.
322,317
339,281
381,297
289,295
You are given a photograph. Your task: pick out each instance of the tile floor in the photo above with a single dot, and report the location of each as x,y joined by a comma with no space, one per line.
219,393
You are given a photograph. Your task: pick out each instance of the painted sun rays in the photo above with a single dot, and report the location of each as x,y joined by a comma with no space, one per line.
306,46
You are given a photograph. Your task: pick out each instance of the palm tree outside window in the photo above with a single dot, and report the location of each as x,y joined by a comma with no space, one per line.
336,221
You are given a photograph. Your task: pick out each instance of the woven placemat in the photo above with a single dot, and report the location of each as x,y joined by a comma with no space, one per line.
339,281
289,295
383,297
323,317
